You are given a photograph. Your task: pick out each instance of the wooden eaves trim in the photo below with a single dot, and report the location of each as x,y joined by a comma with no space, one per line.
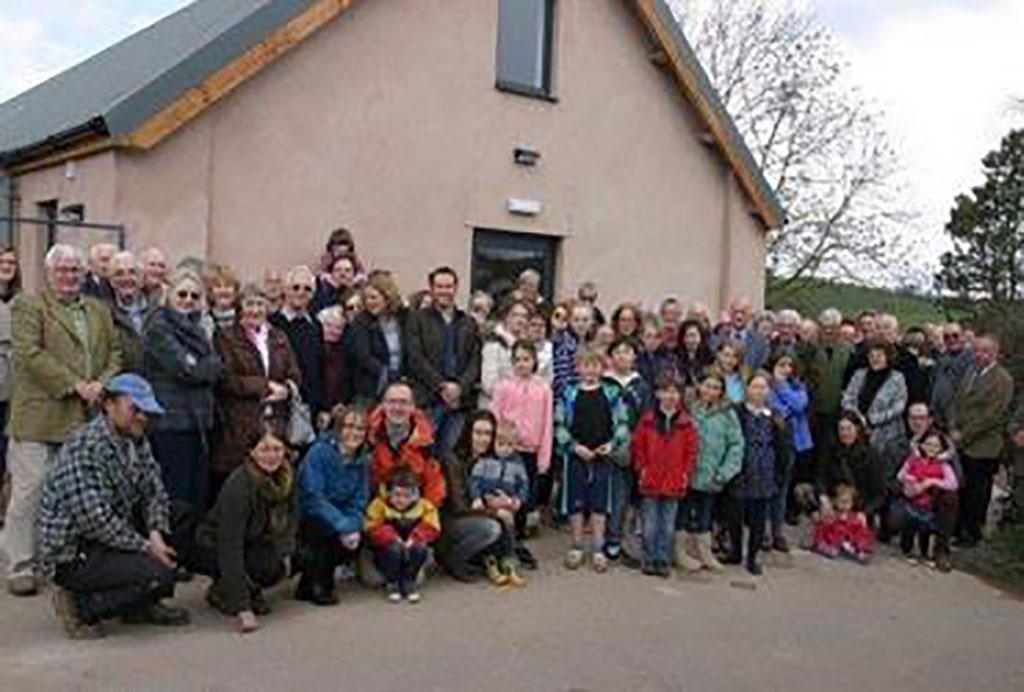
196,100
694,94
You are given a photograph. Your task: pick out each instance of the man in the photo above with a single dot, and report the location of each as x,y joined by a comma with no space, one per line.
741,330
904,362
945,503
529,290
154,275
273,288
443,358
587,293
848,332
867,329
977,425
671,312
950,369
65,349
97,280
128,308
305,334
830,362
103,519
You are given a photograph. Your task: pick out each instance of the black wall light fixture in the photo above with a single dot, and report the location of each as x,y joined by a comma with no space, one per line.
526,157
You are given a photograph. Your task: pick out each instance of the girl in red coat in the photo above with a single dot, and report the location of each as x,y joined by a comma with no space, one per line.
842,530
664,450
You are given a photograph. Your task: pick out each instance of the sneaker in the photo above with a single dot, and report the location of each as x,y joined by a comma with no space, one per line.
413,596
74,626
600,563
259,603
612,551
574,558
394,594
23,585
159,614
779,544
525,557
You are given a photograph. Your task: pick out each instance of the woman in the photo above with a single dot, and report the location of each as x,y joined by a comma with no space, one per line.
10,286
496,355
375,341
341,243
246,541
538,335
468,537
626,321
693,354
255,386
335,374
333,492
222,288
855,463
481,304
332,285
180,363
879,394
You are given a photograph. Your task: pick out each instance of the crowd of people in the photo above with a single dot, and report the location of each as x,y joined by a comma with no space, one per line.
170,422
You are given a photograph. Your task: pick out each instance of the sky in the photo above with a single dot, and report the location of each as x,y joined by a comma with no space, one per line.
945,72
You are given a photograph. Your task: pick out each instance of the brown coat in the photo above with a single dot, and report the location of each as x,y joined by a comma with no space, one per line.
980,412
242,389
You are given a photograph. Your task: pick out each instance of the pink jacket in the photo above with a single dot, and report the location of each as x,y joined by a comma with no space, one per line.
530,405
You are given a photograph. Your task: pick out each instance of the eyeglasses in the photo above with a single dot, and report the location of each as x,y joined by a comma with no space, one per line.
398,402
351,308
353,426
302,287
194,295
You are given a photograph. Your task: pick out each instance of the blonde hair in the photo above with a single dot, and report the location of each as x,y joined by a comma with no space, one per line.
385,284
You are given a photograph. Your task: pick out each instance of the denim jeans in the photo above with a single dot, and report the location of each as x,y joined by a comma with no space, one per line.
447,428
621,489
777,505
659,521
696,516
400,566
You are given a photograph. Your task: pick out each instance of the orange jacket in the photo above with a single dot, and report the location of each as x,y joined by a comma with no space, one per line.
414,454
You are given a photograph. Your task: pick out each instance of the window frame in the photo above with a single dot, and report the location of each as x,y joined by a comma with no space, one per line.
546,91
549,247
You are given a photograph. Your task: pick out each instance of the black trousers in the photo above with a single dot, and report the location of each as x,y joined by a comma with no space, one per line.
750,512
321,551
530,461
975,495
108,583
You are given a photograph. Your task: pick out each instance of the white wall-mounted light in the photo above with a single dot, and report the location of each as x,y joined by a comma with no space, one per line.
524,207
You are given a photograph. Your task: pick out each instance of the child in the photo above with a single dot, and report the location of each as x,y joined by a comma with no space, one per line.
401,526
604,337
591,427
538,331
565,344
927,469
664,451
526,399
843,531
637,396
790,400
766,455
500,486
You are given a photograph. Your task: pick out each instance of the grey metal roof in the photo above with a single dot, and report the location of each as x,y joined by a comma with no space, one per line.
119,88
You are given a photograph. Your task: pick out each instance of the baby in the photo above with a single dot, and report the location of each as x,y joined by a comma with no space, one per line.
844,531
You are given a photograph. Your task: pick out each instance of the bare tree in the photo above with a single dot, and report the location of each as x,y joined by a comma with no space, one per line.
784,79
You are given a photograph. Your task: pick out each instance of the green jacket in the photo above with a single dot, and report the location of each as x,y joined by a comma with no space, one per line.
721,447
980,411
827,383
50,359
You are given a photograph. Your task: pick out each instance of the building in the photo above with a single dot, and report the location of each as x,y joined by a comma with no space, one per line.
579,136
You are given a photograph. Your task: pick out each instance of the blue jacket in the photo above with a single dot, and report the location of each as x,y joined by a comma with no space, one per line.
334,490
565,412
791,401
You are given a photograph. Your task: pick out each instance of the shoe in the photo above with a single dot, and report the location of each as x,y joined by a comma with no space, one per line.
247,622
612,551
732,559
663,571
943,563
574,558
525,557
394,594
494,572
304,589
630,562
23,585
159,614
413,596
707,558
511,573
684,560
779,544
323,594
215,601
258,602
600,563
649,569
74,626
182,575
754,568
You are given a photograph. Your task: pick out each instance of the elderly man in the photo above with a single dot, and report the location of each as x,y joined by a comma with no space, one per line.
904,361
65,349
741,330
977,425
128,308
671,313
529,290
830,362
97,280
154,274
587,293
950,369
273,288
305,334
443,358
104,516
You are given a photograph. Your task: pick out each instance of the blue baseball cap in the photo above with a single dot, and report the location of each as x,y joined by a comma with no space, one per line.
141,392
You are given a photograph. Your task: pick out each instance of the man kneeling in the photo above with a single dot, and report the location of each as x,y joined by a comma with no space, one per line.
103,518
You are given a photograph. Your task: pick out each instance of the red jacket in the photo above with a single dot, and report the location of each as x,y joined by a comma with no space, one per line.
413,453
664,460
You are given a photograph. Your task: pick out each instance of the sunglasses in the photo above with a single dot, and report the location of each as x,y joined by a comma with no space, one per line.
302,287
182,295
351,308
951,337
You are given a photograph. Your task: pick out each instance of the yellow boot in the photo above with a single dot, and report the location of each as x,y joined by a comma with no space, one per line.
511,570
494,572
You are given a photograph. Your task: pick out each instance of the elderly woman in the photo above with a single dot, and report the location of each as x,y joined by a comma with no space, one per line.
879,394
376,339
222,291
246,541
334,375
333,491
10,286
180,363
254,384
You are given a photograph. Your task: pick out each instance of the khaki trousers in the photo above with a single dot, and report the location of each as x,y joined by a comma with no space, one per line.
27,463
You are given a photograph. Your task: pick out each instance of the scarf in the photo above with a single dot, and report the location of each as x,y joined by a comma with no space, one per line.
873,382
397,433
276,490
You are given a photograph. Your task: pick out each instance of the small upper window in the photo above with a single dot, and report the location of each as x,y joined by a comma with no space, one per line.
525,37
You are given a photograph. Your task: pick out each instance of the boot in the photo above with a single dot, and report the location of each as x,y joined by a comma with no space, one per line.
707,558
754,543
683,559
511,572
494,572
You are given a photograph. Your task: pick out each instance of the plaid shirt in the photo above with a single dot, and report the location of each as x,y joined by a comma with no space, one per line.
100,490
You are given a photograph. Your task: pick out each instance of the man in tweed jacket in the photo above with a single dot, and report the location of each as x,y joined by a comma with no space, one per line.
103,518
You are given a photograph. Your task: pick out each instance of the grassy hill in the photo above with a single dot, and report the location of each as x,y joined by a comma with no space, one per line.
811,296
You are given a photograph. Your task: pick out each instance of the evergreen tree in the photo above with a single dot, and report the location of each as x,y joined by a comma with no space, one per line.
987,229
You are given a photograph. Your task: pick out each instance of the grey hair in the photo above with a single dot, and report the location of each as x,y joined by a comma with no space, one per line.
830,317
126,256
334,313
531,274
301,270
62,251
788,316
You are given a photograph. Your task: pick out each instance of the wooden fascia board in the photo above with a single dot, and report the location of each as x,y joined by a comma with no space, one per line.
195,101
694,94
90,147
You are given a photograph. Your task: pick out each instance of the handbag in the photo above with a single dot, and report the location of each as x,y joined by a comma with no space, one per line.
300,422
